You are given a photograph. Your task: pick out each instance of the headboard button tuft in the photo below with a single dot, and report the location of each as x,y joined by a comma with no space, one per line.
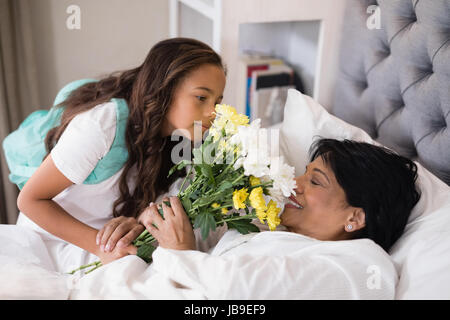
405,64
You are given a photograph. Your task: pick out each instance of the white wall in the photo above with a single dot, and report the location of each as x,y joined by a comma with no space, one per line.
117,35
114,35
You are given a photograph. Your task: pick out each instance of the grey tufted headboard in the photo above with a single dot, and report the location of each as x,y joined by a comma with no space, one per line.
394,80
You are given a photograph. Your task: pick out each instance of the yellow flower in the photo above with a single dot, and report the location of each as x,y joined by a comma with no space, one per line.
215,205
272,215
261,214
239,196
228,119
257,200
214,132
224,210
254,181
240,120
226,110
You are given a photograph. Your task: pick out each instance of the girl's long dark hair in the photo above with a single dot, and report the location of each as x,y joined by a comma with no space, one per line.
148,91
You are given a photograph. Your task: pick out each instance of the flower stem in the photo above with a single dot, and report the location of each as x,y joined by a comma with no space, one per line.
181,188
98,264
237,179
95,263
142,235
237,218
224,171
188,189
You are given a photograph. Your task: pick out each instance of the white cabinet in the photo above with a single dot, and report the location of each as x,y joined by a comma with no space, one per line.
305,33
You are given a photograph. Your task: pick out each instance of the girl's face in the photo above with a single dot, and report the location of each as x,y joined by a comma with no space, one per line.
194,102
325,213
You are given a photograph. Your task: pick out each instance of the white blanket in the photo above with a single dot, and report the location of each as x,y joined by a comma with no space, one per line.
266,265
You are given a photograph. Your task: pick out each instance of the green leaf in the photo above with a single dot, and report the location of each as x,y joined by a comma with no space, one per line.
145,252
172,170
179,166
207,172
208,140
202,201
198,170
198,156
167,203
243,226
224,186
206,222
187,204
161,212
195,195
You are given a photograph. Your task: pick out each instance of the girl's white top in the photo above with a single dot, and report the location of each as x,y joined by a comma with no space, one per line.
86,140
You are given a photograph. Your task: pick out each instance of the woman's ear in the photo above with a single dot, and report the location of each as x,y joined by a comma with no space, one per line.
356,220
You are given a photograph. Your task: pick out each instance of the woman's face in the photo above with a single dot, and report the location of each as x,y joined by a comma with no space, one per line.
324,213
194,102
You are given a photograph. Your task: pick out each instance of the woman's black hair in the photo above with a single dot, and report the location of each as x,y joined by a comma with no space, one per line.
375,179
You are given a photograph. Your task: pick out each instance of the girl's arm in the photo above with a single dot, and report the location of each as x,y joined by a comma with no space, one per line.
35,201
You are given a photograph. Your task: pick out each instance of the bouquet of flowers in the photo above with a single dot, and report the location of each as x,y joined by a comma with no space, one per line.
230,177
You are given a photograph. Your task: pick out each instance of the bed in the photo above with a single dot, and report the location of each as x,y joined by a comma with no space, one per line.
393,89
394,83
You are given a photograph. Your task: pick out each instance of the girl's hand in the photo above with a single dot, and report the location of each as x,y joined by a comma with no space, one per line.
175,230
116,253
121,231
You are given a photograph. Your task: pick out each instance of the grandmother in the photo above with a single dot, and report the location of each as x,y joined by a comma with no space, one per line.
349,208
350,190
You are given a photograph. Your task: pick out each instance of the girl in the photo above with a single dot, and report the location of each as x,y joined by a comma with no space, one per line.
179,83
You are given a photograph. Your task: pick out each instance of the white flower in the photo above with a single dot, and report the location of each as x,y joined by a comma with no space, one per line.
282,176
256,163
239,163
252,141
254,149
247,136
277,195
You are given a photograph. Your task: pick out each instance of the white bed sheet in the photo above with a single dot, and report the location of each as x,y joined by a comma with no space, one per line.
267,265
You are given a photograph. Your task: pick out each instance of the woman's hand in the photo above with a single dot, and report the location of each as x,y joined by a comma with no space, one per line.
116,253
174,231
121,231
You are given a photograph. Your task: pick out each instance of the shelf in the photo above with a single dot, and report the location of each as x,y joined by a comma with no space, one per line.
194,25
200,19
205,7
304,33
295,42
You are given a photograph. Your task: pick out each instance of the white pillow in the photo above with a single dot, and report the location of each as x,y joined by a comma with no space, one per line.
422,254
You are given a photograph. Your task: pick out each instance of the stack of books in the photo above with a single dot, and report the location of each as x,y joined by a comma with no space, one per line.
264,82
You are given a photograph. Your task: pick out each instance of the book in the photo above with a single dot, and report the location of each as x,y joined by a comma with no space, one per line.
268,93
268,105
249,63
